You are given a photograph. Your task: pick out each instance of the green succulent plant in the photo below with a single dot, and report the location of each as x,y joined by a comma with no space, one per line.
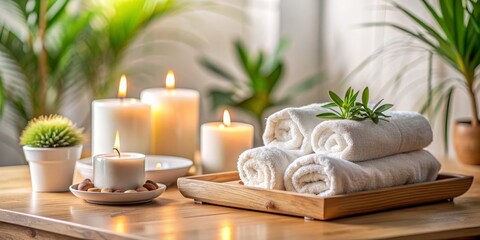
51,132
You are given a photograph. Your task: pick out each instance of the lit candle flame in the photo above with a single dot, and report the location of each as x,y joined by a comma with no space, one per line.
117,141
122,88
170,80
226,118
158,166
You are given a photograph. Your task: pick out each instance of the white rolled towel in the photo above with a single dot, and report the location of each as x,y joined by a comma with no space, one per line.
327,176
364,140
291,128
264,167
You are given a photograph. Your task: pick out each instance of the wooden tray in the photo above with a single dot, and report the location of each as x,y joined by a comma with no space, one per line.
226,189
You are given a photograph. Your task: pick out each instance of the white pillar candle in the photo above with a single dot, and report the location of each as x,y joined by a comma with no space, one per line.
124,172
174,119
129,116
222,143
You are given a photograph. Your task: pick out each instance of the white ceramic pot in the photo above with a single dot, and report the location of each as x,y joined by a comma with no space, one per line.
51,169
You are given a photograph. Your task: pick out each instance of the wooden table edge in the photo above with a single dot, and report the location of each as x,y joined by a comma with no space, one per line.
79,230
56,226
445,234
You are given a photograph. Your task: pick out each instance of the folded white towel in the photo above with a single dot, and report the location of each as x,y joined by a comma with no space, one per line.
291,128
364,140
264,167
326,176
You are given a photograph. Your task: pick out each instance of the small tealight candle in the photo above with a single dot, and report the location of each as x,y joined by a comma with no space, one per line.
123,171
223,142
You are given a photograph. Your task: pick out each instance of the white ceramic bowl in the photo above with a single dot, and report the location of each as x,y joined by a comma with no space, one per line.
169,168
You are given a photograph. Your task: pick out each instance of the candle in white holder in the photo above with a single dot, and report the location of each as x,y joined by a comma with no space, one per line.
128,115
174,119
222,143
123,171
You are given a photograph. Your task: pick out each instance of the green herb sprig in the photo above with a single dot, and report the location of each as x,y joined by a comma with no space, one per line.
349,108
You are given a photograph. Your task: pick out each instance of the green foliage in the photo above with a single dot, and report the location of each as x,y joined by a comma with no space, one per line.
51,132
454,36
83,46
349,108
264,74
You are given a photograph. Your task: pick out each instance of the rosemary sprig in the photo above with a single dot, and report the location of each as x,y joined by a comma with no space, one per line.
349,108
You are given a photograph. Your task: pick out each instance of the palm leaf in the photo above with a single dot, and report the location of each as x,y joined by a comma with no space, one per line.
2,97
55,10
429,81
78,49
128,19
273,78
421,23
454,36
244,60
275,58
447,118
221,98
264,73
13,19
14,75
213,68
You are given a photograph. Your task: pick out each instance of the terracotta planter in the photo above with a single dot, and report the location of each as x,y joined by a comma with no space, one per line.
466,140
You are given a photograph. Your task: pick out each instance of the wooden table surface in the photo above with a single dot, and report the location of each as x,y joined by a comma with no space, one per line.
25,214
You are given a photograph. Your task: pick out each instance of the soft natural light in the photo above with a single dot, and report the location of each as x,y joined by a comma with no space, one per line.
120,224
170,80
226,230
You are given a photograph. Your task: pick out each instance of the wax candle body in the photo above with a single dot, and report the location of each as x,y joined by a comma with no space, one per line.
125,172
128,116
221,145
174,120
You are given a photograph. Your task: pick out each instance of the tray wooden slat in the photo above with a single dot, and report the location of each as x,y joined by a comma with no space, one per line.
225,189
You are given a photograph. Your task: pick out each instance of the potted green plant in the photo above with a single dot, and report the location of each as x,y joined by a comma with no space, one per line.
52,51
263,73
454,36
51,144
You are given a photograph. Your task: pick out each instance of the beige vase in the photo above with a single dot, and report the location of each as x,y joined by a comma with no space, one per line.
466,140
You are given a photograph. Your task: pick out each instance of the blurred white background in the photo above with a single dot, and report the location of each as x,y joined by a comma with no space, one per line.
324,36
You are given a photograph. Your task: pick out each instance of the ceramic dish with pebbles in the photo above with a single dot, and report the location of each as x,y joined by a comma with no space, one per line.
87,191
160,169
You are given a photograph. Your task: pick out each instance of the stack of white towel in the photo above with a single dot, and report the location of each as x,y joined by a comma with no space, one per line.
304,154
